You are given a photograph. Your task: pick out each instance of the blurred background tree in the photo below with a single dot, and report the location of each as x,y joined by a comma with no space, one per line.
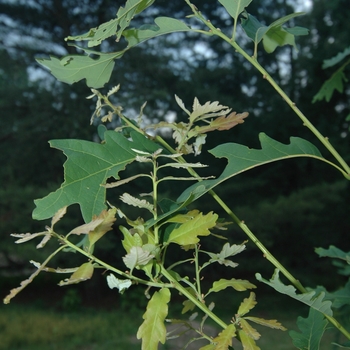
275,200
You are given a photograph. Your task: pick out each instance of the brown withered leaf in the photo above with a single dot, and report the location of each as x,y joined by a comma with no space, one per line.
109,218
24,283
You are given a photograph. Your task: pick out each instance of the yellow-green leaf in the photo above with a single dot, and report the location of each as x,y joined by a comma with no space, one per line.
210,346
188,232
83,273
237,284
130,240
268,323
152,331
247,304
224,339
248,329
247,342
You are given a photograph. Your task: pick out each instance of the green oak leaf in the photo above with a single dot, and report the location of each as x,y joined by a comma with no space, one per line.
235,8
237,284
241,158
313,299
163,25
188,232
312,329
97,71
88,166
152,330
336,59
333,252
273,35
224,339
227,251
335,82
124,15
73,68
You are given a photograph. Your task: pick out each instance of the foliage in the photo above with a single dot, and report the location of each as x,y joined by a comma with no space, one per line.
93,168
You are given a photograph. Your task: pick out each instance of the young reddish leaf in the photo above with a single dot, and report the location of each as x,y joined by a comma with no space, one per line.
83,273
223,122
209,109
188,232
247,304
152,331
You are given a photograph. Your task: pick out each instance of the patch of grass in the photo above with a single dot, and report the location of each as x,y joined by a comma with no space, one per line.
27,328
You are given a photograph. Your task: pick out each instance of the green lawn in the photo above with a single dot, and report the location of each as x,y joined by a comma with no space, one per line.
27,328
24,327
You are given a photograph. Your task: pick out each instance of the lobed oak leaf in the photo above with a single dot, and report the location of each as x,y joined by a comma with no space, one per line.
267,323
315,300
130,240
223,122
237,284
136,202
226,251
209,109
152,330
247,342
188,232
312,329
249,330
224,339
247,304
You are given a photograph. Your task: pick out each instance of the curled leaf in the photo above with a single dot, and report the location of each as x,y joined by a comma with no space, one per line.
114,282
136,257
136,202
83,273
